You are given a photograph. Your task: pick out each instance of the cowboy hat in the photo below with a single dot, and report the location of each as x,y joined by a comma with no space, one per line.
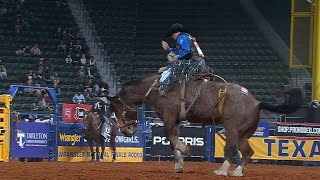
177,27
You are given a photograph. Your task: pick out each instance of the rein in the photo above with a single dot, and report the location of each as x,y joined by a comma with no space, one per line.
127,108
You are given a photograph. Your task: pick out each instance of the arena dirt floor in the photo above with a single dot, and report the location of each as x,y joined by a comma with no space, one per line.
145,170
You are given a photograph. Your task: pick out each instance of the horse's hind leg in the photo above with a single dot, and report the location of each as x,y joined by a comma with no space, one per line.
113,134
230,150
246,152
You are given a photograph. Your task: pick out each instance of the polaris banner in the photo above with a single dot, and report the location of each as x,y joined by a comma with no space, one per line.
298,129
75,137
191,136
31,140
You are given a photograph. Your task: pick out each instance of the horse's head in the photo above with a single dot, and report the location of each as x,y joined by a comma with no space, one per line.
126,116
90,119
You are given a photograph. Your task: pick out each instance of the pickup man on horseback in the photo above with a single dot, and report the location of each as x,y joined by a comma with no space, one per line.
186,59
102,109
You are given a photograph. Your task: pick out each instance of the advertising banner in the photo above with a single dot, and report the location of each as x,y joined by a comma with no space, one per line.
74,113
298,129
78,154
30,137
275,148
194,137
263,129
75,137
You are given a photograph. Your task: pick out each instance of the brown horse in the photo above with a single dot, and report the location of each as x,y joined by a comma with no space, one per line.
208,103
92,133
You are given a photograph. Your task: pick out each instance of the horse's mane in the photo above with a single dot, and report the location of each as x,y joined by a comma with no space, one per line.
138,80
135,82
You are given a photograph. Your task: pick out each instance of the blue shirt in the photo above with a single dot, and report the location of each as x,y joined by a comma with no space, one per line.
183,41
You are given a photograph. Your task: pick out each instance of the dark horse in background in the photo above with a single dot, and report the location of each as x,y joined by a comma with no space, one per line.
92,133
238,110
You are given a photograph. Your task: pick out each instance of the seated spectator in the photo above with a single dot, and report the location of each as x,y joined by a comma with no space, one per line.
56,87
89,75
92,61
42,105
78,47
83,60
40,66
78,98
35,50
104,87
87,95
29,91
30,76
81,73
88,85
71,48
3,71
40,79
76,59
69,59
62,47
34,107
95,89
55,80
44,67
58,34
85,49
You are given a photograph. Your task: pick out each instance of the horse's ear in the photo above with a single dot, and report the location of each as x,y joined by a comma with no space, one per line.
113,100
87,112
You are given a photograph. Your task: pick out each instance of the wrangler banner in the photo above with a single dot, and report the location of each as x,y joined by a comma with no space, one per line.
78,154
74,137
275,148
74,113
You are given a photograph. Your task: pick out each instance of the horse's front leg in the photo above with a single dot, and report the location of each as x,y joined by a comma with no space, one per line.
102,148
178,147
113,133
97,151
90,142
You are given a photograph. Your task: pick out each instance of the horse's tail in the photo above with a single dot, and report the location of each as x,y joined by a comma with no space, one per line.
293,99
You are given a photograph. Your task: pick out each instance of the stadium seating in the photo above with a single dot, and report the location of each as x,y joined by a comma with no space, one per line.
44,18
234,47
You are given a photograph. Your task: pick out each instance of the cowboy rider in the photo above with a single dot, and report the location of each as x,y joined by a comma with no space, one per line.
185,49
186,58
102,109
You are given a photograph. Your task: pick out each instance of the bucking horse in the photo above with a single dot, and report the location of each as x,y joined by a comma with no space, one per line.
206,102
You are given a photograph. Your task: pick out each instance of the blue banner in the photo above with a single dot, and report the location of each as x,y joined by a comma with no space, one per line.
75,137
31,140
263,129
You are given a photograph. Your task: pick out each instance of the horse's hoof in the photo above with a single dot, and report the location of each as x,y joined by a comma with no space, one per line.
113,161
237,172
220,173
188,151
92,160
99,160
180,170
